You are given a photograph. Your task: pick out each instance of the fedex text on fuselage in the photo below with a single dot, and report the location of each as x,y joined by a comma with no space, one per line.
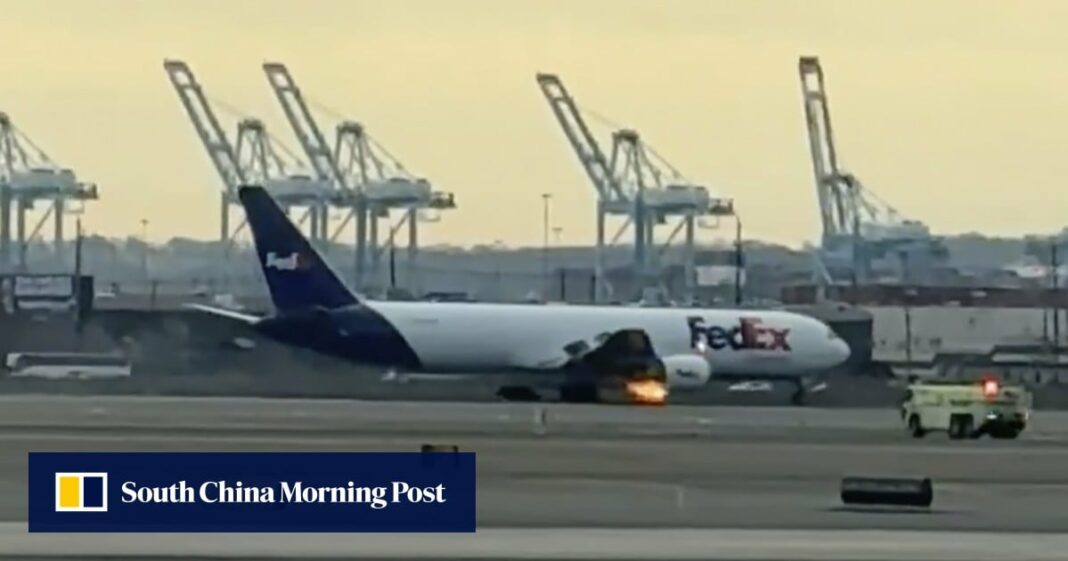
749,333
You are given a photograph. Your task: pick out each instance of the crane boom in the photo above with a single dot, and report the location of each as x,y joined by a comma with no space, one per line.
855,220
833,206
321,156
11,152
206,124
300,119
579,136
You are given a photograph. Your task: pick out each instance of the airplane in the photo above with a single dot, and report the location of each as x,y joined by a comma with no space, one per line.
577,350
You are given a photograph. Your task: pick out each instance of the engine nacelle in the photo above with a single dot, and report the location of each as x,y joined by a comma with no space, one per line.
687,371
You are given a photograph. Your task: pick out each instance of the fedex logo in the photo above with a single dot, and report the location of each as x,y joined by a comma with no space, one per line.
291,262
748,334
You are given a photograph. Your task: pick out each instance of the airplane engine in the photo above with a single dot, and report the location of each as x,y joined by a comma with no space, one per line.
687,371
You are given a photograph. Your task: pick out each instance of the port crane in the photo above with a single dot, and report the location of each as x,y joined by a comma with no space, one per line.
28,178
637,185
255,159
858,228
367,182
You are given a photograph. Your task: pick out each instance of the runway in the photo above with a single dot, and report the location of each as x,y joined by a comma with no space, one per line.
214,414
616,469
556,544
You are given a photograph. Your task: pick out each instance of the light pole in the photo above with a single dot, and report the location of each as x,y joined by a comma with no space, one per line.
144,248
557,231
909,293
1055,281
498,247
738,263
545,198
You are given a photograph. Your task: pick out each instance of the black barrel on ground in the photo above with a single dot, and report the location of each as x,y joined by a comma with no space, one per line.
439,448
436,455
887,491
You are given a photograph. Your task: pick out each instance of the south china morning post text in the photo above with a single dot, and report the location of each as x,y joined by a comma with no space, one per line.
252,492
210,492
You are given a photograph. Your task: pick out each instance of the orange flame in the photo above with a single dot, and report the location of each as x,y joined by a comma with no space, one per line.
647,392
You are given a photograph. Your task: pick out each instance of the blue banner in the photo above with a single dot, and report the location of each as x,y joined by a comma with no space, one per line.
252,492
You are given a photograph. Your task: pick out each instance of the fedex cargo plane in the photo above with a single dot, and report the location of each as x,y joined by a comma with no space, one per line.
576,350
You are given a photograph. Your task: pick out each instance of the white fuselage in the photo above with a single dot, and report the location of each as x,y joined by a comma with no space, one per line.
465,337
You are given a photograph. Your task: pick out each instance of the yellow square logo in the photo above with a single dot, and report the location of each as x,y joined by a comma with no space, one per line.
82,492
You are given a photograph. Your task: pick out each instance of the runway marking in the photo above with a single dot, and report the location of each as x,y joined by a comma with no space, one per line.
185,438
272,435
363,440
552,543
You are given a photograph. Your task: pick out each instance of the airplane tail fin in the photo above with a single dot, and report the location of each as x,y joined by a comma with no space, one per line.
296,274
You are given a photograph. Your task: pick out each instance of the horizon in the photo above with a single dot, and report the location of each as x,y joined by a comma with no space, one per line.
246,243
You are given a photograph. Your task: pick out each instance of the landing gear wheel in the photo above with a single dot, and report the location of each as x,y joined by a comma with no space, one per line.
579,393
797,398
518,393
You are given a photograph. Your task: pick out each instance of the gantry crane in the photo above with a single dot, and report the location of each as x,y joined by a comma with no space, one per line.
254,160
26,179
857,227
387,185
632,184
368,183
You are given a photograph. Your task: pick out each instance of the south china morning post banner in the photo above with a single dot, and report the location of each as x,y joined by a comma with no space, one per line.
252,492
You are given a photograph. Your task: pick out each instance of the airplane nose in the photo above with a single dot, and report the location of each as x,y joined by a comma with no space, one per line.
841,351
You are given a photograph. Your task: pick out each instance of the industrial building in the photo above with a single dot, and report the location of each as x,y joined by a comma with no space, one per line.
959,332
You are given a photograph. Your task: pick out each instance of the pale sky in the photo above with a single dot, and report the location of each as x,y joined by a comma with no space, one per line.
955,112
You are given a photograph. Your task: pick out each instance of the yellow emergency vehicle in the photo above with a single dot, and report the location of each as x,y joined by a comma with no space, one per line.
966,410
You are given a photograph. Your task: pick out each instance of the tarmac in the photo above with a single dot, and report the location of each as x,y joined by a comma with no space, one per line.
666,482
531,544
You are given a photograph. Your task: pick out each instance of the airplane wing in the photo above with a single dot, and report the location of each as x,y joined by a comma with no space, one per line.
223,312
620,353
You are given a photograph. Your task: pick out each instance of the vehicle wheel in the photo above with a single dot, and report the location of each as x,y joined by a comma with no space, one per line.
915,428
1004,432
960,426
967,428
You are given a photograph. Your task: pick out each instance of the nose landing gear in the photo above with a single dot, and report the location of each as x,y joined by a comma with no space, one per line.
797,398
803,388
